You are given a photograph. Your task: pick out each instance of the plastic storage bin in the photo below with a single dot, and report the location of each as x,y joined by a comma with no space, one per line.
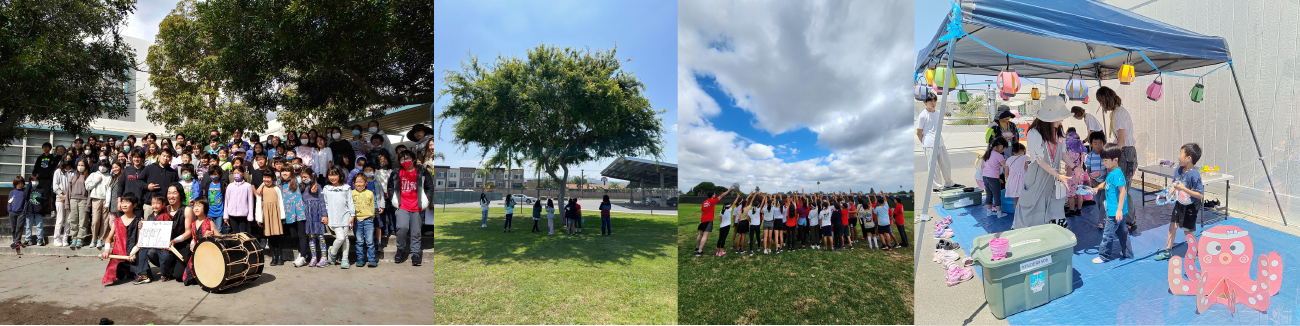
1037,269
958,198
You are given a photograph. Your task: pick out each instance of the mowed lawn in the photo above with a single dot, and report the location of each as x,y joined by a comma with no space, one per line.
860,286
484,276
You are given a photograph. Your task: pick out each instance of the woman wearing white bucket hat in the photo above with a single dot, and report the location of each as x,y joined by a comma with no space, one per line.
1046,149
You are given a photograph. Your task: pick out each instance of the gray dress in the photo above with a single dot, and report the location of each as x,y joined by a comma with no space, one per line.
1038,203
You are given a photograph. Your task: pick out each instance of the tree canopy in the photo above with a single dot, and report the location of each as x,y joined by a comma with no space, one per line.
64,64
555,108
704,188
323,61
190,93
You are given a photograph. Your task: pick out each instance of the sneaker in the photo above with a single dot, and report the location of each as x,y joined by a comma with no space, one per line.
959,274
13,246
1163,255
1098,260
299,262
361,264
345,265
58,242
142,279
371,264
41,242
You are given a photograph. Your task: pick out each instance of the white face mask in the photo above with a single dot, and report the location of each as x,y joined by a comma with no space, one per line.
103,170
336,135
81,168
101,158
87,152
374,130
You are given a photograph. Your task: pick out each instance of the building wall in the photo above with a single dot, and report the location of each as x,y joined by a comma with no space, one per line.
135,122
1265,42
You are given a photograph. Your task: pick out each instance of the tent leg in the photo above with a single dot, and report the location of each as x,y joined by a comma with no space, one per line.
1268,177
934,160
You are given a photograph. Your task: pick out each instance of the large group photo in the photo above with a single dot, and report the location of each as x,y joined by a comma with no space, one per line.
1098,167
796,209
556,178
161,168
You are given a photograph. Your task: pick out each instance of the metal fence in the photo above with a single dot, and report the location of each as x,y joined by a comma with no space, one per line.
634,195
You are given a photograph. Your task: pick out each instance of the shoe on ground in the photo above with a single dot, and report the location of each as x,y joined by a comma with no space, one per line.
1163,255
345,265
484,225
361,264
372,264
299,262
141,280
1098,260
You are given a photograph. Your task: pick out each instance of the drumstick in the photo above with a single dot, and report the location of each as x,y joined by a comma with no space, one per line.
119,257
175,252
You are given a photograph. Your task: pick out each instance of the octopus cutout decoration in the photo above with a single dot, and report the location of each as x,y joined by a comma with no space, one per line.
1225,253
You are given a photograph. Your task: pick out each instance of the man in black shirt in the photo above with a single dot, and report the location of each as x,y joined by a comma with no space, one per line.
262,169
158,176
132,180
45,165
342,148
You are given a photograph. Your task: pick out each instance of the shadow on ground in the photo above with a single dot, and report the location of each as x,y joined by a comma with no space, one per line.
640,237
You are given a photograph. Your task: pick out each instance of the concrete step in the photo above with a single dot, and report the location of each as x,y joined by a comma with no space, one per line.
385,255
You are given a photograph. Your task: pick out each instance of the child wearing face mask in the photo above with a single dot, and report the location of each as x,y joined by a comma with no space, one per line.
339,215
384,224
213,188
239,203
314,212
359,144
100,182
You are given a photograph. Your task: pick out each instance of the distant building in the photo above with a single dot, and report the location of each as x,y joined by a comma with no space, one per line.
449,178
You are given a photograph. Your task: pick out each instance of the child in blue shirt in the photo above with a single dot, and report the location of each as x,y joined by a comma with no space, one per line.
17,208
1186,180
1096,170
1114,236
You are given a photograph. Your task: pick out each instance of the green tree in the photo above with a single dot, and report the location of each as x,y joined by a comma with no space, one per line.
190,93
580,107
62,64
324,62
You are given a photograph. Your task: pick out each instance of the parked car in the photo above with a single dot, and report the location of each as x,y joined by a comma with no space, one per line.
672,202
522,198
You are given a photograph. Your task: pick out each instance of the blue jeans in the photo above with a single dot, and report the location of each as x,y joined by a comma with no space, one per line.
34,222
365,232
217,222
993,192
485,217
605,228
1114,240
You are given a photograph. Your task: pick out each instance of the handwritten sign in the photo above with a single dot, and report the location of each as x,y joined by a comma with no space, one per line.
155,234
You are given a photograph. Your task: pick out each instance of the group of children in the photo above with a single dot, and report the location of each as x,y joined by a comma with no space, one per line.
1095,170
279,198
572,219
780,222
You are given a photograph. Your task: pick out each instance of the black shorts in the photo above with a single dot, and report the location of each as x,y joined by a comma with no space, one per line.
826,231
870,229
882,229
742,227
706,226
853,221
1185,216
778,225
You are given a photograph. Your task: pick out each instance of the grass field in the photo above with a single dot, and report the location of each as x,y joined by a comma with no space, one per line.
483,276
798,287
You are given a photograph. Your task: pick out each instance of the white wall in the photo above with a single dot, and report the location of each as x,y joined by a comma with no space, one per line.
1264,37
134,122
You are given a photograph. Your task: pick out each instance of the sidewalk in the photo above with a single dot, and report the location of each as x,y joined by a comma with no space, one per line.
936,302
67,290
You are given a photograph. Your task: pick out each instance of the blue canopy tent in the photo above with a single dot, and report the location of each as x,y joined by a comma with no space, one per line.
1054,39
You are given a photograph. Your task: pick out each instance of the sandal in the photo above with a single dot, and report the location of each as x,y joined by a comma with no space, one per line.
947,234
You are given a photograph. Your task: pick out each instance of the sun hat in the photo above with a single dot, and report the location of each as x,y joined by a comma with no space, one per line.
1053,110
419,126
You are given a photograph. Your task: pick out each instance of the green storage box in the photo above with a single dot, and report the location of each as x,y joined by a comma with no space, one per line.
957,198
1038,268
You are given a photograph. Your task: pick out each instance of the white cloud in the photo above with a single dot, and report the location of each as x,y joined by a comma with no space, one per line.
837,68
143,23
759,151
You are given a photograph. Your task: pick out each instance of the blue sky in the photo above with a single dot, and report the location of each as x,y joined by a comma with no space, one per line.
784,94
644,31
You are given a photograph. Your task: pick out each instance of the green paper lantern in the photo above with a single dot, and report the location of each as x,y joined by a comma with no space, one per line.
963,97
1198,92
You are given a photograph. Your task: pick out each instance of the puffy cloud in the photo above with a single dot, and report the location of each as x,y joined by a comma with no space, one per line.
840,69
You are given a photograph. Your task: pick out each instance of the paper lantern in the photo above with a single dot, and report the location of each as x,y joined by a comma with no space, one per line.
1085,99
1034,94
1008,82
929,76
1156,90
1198,92
963,97
944,78
1076,89
920,92
1126,74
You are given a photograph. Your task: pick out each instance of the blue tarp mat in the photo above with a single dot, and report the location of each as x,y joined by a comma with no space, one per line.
1134,291
1068,31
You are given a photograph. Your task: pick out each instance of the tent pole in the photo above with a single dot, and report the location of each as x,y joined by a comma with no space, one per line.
1258,152
934,159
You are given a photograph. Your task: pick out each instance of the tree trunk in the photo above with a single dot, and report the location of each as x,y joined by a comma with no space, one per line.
563,187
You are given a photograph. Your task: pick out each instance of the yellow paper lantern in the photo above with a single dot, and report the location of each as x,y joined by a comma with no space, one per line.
945,78
1126,74
1034,94
929,76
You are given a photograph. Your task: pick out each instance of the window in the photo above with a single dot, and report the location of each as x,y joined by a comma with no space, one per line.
480,185
442,174
20,158
439,182
492,176
499,183
452,174
451,184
